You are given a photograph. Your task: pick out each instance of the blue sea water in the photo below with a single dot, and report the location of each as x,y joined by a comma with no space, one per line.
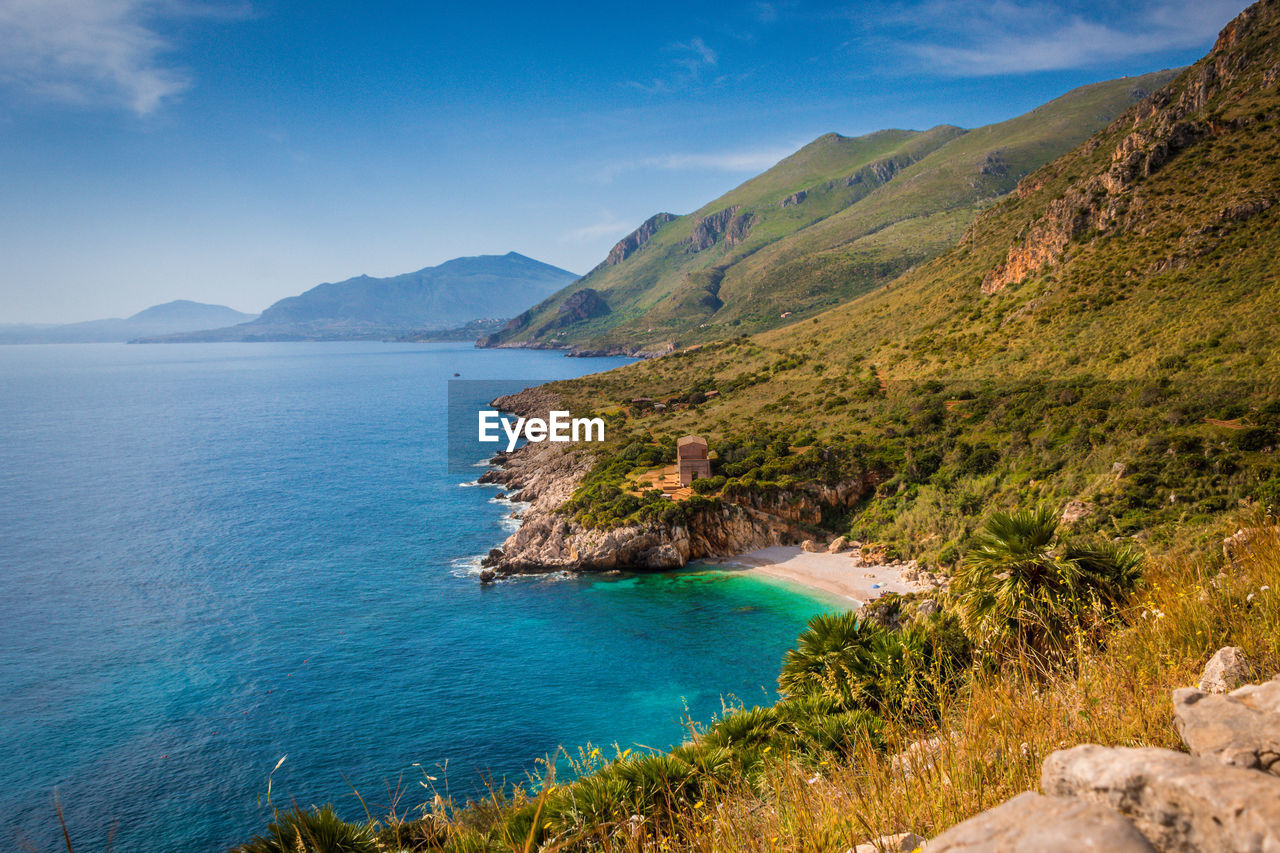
213,556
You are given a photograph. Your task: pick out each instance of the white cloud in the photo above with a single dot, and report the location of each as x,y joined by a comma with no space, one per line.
92,52
607,226
743,161
966,39
685,69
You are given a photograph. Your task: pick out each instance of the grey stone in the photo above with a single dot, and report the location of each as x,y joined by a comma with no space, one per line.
1074,511
1240,729
1031,823
1226,670
1181,803
903,842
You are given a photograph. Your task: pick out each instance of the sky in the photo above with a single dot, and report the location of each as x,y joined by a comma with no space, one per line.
241,151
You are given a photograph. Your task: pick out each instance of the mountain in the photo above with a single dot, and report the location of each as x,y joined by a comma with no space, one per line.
1103,339
181,315
838,218
442,297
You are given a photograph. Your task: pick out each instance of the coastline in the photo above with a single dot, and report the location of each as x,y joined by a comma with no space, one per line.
837,575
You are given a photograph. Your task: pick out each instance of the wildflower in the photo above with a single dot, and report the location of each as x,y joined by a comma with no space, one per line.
1264,588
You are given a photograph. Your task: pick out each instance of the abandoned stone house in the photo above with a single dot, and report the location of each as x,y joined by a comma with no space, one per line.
691,458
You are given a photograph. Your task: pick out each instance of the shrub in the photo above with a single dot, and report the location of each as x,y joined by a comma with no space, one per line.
317,831
1019,589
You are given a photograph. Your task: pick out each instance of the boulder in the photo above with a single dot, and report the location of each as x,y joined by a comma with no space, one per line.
903,842
1240,729
837,545
1226,670
811,546
1074,511
926,607
1032,823
488,576
1181,803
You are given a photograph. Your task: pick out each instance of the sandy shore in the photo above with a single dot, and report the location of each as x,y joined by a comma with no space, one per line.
835,574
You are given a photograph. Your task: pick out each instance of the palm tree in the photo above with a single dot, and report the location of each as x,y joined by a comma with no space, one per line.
1021,588
835,656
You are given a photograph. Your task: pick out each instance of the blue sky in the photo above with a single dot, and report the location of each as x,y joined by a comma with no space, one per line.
238,152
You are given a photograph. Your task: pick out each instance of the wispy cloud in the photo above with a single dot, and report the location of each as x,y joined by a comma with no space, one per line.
688,64
747,161
93,52
607,225
1005,37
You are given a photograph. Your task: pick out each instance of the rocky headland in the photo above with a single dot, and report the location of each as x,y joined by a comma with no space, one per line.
544,476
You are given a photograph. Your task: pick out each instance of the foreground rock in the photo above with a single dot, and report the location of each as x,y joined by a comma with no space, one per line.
1031,823
1226,670
1240,729
1181,803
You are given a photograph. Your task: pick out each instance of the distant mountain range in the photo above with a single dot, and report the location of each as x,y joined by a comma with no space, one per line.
434,299
181,315
837,219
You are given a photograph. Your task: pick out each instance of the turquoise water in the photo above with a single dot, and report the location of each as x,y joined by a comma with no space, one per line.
214,556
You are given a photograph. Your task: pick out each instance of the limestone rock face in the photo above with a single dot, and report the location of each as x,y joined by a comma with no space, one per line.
1031,823
1181,803
1226,670
1240,729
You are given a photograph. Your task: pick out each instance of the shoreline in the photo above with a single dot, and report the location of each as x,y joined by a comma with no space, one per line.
836,575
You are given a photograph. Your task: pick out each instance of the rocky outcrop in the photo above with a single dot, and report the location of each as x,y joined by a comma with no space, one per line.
585,304
795,198
1031,822
727,224
636,240
1153,133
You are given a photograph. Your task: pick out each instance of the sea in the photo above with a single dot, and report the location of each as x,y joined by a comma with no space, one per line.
236,577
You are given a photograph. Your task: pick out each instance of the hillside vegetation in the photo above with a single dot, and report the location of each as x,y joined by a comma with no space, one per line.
838,218
1105,335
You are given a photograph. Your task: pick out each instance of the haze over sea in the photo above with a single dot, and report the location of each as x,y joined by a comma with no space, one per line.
216,555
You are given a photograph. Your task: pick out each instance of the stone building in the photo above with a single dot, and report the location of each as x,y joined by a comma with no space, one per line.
691,458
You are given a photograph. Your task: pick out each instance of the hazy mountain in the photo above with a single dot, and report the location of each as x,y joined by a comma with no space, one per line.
181,315
446,296
838,218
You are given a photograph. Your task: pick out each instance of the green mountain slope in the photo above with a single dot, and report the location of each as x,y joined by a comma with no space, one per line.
838,218
1106,335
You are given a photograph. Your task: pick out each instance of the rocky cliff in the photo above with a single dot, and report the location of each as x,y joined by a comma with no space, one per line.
544,476
1150,134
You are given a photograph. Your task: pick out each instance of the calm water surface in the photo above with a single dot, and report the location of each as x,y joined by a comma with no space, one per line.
213,556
